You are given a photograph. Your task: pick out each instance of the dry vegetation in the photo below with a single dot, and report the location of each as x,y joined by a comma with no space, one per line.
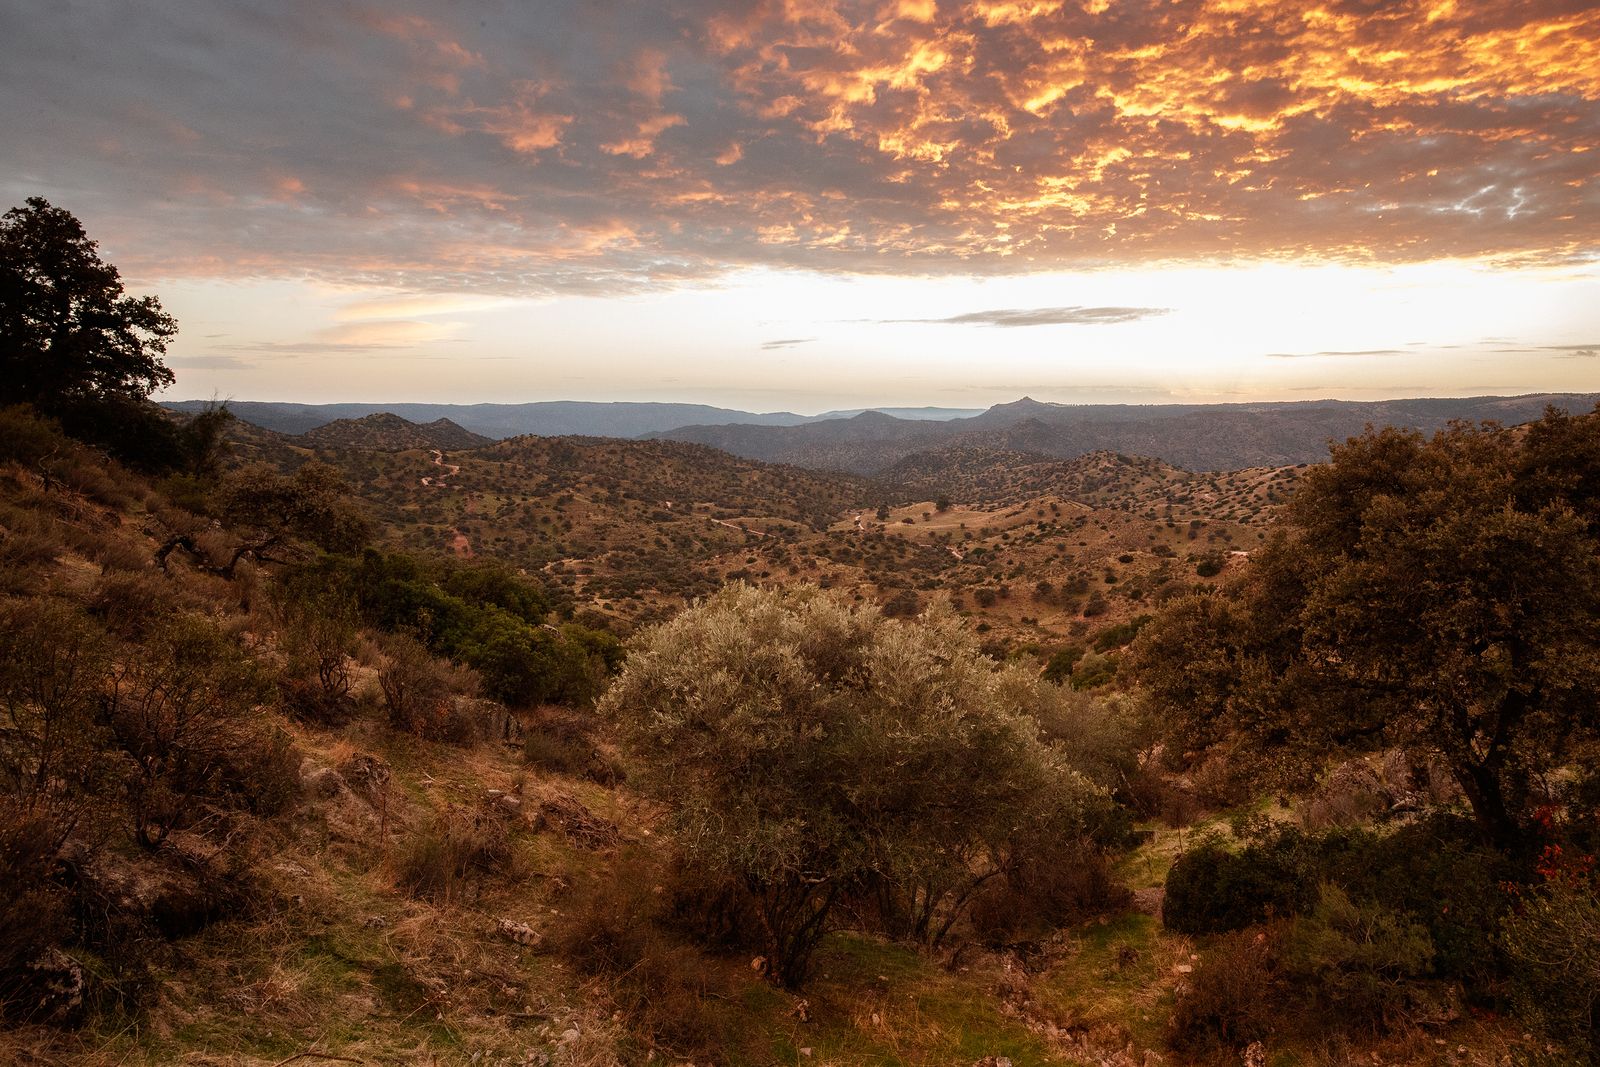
426,876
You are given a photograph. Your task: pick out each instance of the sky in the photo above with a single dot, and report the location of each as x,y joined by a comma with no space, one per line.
814,204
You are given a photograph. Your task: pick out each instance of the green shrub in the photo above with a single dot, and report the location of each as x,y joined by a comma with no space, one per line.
1552,943
1213,890
1093,671
1059,667
1359,962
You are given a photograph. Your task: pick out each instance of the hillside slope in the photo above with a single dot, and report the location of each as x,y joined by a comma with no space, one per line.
387,432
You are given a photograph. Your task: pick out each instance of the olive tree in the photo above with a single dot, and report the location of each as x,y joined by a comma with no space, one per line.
810,748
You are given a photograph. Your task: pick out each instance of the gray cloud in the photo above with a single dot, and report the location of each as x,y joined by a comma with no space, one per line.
209,363
1588,351
564,147
1055,316
787,342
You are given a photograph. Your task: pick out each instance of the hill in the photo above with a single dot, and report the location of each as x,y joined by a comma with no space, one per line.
480,883
547,418
1196,437
387,432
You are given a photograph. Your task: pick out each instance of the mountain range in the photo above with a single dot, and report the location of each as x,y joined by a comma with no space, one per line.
555,418
1196,437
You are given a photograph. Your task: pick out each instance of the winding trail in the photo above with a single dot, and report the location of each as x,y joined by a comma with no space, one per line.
450,469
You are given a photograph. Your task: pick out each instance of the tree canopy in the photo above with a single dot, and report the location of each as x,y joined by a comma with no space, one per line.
811,748
67,330
1442,596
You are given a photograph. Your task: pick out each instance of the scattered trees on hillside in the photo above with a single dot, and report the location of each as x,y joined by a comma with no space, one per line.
814,752
1438,595
482,613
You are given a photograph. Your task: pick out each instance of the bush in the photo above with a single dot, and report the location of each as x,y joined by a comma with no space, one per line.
33,912
419,693
1051,886
666,988
1093,671
439,861
1358,961
1212,890
1232,998
813,750
180,707
560,742
319,632
1552,942
1058,668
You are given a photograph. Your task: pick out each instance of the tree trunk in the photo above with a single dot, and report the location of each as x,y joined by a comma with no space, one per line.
1487,798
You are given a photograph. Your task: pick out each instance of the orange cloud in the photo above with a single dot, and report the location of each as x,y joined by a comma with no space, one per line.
545,149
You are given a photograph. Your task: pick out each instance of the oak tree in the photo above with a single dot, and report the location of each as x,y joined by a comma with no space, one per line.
1442,596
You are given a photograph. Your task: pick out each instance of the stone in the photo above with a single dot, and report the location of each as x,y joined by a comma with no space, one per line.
57,987
367,776
521,933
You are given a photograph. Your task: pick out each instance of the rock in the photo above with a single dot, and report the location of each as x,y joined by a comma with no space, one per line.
1255,1055
321,782
57,987
994,1061
367,776
1148,901
504,803
521,933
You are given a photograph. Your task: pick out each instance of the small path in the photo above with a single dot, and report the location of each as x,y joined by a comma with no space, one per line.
450,469
741,529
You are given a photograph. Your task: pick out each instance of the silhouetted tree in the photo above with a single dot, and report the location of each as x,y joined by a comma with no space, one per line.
67,331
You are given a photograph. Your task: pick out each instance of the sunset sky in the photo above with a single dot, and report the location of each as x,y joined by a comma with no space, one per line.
803,205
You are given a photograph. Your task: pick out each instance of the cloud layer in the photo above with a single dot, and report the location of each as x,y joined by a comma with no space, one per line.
576,146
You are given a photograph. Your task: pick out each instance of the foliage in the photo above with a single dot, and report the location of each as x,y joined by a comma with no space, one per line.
67,332
52,661
75,347
418,690
1234,996
1552,941
271,509
1438,595
1058,668
1211,889
483,614
813,749
1093,671
1358,960
178,705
